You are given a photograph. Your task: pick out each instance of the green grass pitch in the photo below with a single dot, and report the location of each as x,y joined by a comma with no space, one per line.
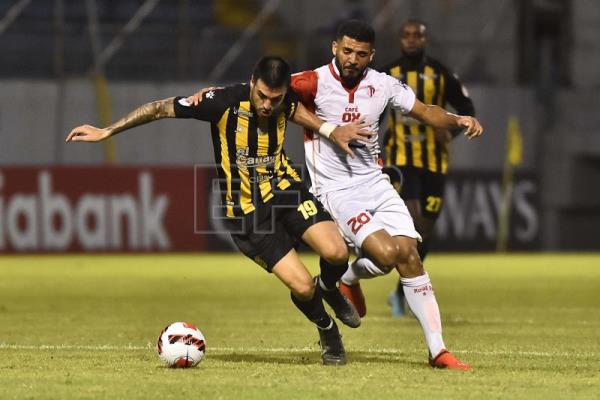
85,327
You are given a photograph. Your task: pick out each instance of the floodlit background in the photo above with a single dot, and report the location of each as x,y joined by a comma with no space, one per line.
68,62
84,325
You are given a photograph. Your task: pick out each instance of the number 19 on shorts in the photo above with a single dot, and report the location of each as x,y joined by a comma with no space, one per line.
308,209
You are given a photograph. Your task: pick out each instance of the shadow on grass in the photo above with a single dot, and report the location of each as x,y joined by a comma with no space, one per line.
313,358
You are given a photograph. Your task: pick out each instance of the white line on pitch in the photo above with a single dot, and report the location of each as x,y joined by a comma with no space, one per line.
506,352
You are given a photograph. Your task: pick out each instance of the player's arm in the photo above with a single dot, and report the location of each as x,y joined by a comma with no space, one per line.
340,135
458,97
442,119
402,98
142,115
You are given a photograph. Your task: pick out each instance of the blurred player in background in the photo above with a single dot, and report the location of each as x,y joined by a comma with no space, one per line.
268,207
421,150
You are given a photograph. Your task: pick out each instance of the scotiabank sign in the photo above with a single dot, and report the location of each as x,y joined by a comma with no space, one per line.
114,209
165,209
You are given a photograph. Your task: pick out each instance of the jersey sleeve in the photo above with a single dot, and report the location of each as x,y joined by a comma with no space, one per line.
401,96
291,102
304,84
458,96
210,109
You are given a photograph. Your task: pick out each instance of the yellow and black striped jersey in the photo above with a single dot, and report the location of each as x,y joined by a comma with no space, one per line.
407,141
249,154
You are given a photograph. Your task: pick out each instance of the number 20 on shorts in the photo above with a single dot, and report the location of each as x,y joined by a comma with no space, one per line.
358,222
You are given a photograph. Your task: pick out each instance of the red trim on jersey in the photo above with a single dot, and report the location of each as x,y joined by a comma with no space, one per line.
305,85
350,91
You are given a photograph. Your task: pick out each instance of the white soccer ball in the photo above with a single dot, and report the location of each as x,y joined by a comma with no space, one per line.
181,345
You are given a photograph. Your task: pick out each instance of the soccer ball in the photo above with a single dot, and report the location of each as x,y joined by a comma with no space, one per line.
181,345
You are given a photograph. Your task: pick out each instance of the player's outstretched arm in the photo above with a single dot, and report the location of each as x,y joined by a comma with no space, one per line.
340,135
142,115
442,119
196,98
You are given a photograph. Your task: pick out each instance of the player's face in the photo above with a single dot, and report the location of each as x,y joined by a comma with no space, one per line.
352,57
413,39
265,99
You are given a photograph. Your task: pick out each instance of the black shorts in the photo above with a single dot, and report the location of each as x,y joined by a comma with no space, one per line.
425,186
281,223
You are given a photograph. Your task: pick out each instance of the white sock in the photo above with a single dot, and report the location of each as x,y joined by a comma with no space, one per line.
361,268
421,300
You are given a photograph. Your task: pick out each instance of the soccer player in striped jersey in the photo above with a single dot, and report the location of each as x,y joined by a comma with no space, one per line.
269,209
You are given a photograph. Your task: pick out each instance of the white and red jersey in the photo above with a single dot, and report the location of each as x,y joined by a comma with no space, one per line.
322,92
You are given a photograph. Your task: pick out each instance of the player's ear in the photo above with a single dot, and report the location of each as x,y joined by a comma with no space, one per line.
334,47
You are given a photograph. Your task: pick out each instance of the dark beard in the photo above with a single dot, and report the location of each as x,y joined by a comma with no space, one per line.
348,82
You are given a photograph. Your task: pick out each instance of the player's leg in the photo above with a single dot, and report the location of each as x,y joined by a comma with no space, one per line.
307,299
410,191
395,246
351,212
417,290
427,208
275,253
315,227
420,296
366,223
325,239
424,200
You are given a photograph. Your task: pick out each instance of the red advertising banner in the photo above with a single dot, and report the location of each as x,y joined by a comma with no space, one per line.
100,209
168,209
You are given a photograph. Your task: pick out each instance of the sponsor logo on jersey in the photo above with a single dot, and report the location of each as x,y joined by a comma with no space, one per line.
244,113
244,161
350,114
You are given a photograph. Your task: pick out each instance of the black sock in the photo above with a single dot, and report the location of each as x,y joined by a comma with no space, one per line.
313,310
331,274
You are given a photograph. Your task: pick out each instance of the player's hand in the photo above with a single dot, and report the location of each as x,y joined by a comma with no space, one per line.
354,131
196,98
87,133
473,127
442,135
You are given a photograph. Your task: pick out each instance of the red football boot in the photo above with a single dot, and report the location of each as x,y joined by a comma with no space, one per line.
355,295
445,359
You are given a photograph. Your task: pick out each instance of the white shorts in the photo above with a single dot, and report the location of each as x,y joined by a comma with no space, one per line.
361,210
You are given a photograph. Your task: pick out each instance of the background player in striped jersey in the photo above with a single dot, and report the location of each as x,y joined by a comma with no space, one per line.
420,150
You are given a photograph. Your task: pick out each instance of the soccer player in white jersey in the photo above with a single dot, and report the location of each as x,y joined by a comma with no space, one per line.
367,209
365,206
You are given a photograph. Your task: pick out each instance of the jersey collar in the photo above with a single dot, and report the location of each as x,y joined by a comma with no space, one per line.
336,74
